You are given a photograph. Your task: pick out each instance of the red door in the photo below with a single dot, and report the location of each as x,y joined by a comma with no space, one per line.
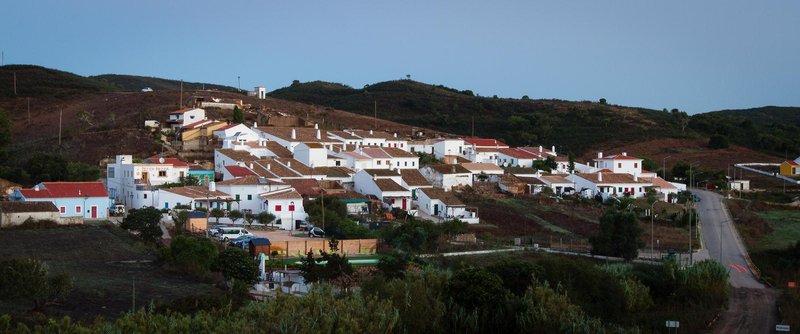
94,212
404,203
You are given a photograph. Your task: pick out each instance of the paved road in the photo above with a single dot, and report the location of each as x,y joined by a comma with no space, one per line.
752,305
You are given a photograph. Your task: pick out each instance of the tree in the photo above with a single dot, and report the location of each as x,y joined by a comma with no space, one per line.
517,275
718,141
217,213
525,97
603,100
47,167
180,217
454,227
190,254
648,164
680,170
265,217
238,115
78,171
28,279
5,130
620,235
335,267
571,166
236,265
475,287
145,222
413,236
249,218
235,215
547,165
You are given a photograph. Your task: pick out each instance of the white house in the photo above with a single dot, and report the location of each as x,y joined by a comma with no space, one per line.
232,172
16,213
557,183
236,132
184,117
134,184
290,137
286,205
76,201
447,176
245,191
443,147
422,146
390,157
516,157
385,185
444,205
413,180
619,163
609,184
483,171
311,154
380,139
230,157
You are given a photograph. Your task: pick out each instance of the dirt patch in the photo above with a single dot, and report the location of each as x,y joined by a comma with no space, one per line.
749,311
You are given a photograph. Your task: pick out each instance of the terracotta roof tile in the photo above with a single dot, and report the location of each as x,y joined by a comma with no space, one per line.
448,198
413,178
389,185
19,207
67,190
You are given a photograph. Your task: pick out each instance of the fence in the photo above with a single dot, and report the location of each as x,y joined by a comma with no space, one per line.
302,247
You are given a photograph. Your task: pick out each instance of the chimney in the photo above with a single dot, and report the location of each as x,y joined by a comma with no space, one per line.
255,125
212,186
370,131
540,148
289,164
269,166
635,177
251,165
624,154
319,134
599,176
398,171
454,169
79,192
553,148
294,134
36,188
395,134
599,155
316,126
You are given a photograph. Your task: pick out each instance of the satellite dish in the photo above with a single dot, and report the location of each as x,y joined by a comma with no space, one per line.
161,160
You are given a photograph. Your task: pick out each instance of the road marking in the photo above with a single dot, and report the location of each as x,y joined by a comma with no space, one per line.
743,268
739,268
735,267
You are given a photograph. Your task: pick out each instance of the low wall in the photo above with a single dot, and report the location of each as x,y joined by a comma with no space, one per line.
302,247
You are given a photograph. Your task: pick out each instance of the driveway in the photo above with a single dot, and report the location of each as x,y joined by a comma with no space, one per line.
752,305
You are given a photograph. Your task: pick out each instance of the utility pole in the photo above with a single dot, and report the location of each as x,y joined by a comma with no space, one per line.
29,110
60,115
691,208
15,83
239,83
375,114
180,103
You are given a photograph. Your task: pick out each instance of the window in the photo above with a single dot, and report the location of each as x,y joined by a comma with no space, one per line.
181,175
62,209
77,209
398,164
379,162
619,165
401,145
145,196
635,165
110,172
277,208
405,164
291,207
249,197
619,189
388,163
162,173
237,197
412,163
338,163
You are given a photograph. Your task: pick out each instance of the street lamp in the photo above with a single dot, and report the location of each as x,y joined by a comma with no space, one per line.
291,210
664,166
652,230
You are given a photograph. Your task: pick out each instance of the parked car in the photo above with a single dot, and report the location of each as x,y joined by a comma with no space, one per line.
228,233
316,232
243,241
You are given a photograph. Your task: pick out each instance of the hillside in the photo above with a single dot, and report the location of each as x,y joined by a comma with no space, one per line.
36,81
133,83
573,126
769,129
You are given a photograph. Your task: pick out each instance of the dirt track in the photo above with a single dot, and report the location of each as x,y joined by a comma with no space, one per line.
749,311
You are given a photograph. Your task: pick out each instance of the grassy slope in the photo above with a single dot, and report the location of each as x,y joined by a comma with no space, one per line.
574,126
40,81
102,284
767,129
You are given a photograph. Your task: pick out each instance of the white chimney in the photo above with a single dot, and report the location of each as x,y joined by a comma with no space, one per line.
599,155
212,186
553,148
289,164
36,188
370,131
251,165
395,134
294,134
624,154
319,134
269,166
540,148
599,176
316,126
635,177
398,171
255,125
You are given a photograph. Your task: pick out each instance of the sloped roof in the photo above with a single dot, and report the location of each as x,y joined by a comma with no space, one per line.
228,126
282,194
381,172
344,135
243,156
389,185
333,171
183,111
175,162
249,180
518,153
398,153
67,190
791,163
238,171
611,178
374,152
658,182
618,157
301,134
480,166
448,198
306,187
278,150
554,179
197,192
374,134
491,142
18,207
450,169
413,178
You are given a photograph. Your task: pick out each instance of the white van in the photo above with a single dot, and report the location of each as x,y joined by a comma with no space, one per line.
229,233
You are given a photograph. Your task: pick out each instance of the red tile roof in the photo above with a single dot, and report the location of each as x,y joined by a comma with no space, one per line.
791,163
197,124
518,153
488,142
238,171
66,190
175,162
618,157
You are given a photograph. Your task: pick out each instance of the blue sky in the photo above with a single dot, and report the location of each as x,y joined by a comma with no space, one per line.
693,55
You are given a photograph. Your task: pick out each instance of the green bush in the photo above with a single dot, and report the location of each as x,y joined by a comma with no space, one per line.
190,254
